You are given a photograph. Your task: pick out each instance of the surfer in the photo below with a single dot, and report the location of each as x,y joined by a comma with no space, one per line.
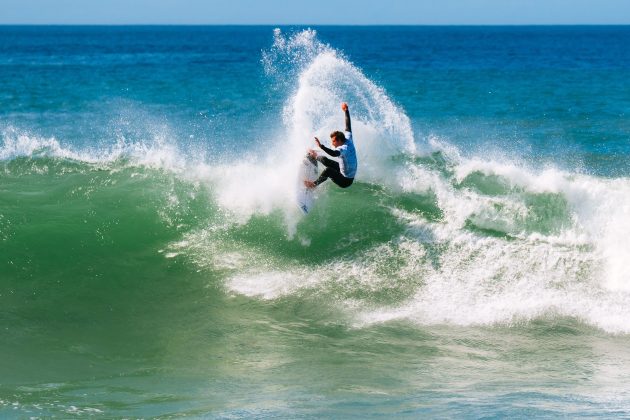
341,172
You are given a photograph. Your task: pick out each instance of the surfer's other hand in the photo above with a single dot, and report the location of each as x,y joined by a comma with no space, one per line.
312,153
318,143
344,106
309,184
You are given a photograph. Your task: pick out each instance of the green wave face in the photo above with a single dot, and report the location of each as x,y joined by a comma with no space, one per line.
66,219
125,273
93,236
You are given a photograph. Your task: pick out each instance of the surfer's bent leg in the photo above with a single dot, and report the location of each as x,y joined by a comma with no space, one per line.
342,181
332,171
329,163
332,167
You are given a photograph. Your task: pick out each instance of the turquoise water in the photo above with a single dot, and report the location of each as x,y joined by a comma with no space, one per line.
153,262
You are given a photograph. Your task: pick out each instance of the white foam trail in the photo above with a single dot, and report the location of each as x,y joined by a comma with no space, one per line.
579,270
600,207
483,281
270,285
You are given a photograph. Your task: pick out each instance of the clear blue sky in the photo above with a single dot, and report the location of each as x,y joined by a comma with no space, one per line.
315,12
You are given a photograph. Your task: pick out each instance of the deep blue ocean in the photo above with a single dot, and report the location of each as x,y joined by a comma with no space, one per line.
154,263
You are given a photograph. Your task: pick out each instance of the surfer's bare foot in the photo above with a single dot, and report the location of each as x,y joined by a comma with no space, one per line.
309,184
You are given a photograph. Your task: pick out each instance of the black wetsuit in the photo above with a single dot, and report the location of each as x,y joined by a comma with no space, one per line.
332,170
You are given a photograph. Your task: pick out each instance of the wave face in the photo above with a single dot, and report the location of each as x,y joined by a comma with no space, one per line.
145,245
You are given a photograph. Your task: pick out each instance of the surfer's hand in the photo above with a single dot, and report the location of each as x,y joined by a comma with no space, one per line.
312,153
318,143
344,106
309,184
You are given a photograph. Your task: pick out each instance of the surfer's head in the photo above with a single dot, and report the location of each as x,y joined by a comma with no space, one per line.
338,138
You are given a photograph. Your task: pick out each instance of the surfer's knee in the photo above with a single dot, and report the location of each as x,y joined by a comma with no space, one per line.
342,181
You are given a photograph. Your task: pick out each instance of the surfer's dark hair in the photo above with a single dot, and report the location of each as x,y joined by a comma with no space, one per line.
339,136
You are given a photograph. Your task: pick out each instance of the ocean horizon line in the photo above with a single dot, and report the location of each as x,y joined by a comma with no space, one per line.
322,24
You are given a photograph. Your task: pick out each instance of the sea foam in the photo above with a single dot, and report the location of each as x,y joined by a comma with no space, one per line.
557,245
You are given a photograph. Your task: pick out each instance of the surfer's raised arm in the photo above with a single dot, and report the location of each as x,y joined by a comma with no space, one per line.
344,107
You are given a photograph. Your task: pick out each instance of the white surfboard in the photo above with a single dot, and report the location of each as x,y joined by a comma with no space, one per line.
306,196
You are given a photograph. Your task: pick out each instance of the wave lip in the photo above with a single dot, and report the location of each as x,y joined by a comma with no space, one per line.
156,153
20,144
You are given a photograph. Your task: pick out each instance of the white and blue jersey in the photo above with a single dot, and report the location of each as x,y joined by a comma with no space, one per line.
348,157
